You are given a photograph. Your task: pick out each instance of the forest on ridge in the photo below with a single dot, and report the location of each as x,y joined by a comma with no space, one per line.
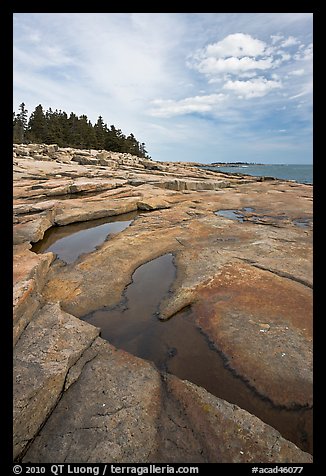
56,127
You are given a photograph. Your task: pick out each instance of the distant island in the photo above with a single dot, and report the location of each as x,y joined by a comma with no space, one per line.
232,164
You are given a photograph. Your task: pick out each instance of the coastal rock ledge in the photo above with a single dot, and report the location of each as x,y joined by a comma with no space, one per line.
242,248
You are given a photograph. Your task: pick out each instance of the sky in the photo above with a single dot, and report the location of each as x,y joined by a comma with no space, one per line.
203,87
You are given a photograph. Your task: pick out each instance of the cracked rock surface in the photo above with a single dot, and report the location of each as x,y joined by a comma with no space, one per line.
247,283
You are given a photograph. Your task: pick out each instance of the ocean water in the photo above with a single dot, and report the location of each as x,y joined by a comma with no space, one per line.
299,173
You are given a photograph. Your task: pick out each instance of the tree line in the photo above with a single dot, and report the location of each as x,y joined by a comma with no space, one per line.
56,127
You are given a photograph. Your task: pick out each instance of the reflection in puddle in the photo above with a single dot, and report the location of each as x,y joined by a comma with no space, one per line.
177,346
234,214
70,241
231,214
246,214
302,222
248,209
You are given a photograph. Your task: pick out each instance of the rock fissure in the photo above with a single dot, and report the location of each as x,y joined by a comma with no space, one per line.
281,274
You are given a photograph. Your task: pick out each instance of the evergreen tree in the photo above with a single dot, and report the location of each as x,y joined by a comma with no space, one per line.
115,140
20,125
131,145
84,136
37,127
143,151
72,132
55,127
101,130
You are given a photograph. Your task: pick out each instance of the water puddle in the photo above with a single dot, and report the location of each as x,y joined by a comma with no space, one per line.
248,209
246,214
234,214
231,214
302,222
178,347
71,241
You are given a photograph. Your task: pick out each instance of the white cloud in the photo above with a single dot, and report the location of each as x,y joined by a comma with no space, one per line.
286,56
200,104
247,74
43,56
258,87
211,66
305,54
308,52
238,45
297,72
240,53
276,38
234,54
290,41
305,90
303,93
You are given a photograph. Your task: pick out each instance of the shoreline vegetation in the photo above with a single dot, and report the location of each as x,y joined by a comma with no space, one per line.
56,127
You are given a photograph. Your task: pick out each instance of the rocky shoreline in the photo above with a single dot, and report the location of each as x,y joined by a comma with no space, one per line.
246,277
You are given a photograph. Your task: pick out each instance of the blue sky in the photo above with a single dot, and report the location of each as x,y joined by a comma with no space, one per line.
202,87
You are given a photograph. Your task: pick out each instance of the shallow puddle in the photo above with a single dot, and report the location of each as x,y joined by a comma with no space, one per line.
302,222
231,214
179,347
246,214
70,241
234,214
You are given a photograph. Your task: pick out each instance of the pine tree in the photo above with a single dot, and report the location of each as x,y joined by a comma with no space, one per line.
115,140
101,130
37,127
72,130
20,125
143,151
55,127
84,136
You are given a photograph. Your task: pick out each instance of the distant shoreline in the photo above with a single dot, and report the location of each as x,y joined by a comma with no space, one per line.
301,173
232,164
